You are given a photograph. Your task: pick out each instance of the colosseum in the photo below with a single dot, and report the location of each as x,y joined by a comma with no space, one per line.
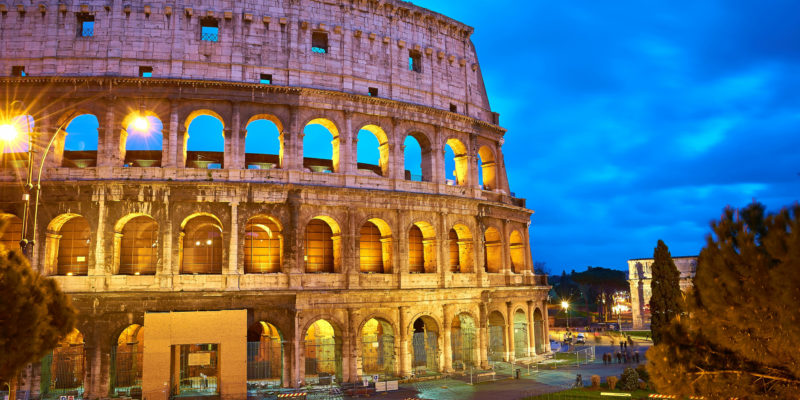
199,189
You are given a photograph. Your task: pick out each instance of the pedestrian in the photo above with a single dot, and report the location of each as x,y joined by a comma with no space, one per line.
620,344
604,358
636,356
625,345
619,358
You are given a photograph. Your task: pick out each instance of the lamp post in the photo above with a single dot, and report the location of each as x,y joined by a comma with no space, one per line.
565,306
618,310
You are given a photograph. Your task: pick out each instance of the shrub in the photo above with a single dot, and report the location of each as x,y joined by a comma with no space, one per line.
643,385
612,382
643,374
595,381
629,380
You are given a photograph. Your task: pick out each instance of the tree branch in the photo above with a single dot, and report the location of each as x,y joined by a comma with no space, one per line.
762,376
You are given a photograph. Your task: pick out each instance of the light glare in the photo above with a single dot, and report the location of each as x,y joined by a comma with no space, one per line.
8,133
140,124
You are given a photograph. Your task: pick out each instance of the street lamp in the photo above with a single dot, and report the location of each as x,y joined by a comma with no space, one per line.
565,306
618,310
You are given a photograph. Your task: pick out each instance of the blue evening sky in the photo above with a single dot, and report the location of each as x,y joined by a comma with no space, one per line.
631,121
628,121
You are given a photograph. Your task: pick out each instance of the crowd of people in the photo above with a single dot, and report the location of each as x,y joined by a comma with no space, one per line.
623,355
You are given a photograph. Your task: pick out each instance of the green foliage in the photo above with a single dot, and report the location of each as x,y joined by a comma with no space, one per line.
36,314
666,300
629,380
612,382
643,374
595,379
739,337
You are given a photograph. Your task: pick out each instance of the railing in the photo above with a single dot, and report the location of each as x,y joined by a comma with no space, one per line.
209,37
319,50
87,32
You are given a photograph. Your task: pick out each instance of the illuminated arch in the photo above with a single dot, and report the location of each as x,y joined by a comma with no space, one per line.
264,159
460,161
464,343
383,146
136,245
377,347
201,245
538,331
425,153
425,344
68,245
320,165
375,246
493,250
323,245
263,245
487,167
265,355
80,142
205,158
421,248
141,148
517,250
460,249
12,233
497,337
127,353
323,351
67,365
521,336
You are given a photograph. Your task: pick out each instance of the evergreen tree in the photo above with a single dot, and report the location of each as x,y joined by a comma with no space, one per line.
739,337
666,300
35,315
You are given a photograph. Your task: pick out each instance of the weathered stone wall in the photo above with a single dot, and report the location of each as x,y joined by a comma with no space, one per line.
369,44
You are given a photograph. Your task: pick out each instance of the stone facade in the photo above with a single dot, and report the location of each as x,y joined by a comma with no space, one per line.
473,297
639,277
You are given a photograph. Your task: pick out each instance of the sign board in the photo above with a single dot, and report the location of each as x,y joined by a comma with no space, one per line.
70,397
380,386
60,398
376,378
197,359
392,385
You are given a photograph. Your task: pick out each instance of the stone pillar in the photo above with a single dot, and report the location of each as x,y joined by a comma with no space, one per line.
437,160
291,256
298,344
181,146
350,351
166,239
396,159
527,244
510,331
110,147
99,239
504,240
472,154
234,269
443,250
404,354
234,156
531,330
545,327
169,156
348,140
483,337
227,148
501,179
446,339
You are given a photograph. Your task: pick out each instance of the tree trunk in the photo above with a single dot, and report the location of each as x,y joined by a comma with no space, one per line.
12,387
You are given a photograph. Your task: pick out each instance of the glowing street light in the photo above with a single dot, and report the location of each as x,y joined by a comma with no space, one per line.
8,132
141,124
565,306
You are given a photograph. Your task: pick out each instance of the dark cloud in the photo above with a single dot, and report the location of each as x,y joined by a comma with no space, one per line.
634,121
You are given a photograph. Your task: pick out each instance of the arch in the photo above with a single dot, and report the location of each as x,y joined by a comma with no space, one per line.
521,338
463,338
322,245
141,146
265,356
263,245
460,249
11,235
126,361
136,245
66,364
264,146
314,137
417,157
538,331
487,167
204,140
459,162
493,250
497,336
201,245
517,251
365,134
68,245
421,248
377,348
14,152
375,246
425,345
323,352
81,142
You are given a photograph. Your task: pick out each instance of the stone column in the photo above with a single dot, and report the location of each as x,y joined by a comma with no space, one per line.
234,158
501,178
227,149
166,239
404,354
472,154
99,239
396,157
504,240
510,331
234,269
348,140
531,330
291,256
446,339
350,351
170,153
545,327
437,161
108,144
180,147
483,337
298,344
443,250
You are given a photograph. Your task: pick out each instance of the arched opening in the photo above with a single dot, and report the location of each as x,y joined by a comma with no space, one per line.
202,245
417,158
373,151
456,162
497,337
487,168
62,371
12,232
126,362
377,348
15,144
264,358
538,331
460,249
142,140
421,248
138,246
70,235
321,146
493,250
425,346
263,246
80,143
323,353
520,334
322,246
375,247
517,250
205,140
463,338
263,146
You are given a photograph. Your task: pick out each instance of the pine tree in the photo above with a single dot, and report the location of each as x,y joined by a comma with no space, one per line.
35,315
739,337
666,300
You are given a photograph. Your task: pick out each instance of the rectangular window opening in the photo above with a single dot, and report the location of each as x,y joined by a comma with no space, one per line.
85,25
319,42
145,72
209,29
414,61
18,70
266,79
373,92
453,108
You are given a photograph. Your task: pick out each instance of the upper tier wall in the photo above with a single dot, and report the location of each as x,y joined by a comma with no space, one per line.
369,44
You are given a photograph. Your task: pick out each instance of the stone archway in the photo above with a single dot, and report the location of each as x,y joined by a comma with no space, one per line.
323,353
463,339
520,334
538,331
377,348
265,353
425,346
497,337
